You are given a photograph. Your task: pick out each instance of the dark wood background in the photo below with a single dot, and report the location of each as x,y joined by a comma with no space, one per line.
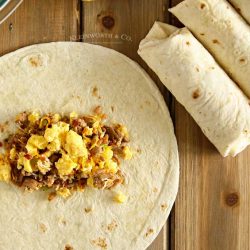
212,207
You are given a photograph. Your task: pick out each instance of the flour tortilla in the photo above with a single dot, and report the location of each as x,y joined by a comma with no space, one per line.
223,32
187,69
243,7
60,77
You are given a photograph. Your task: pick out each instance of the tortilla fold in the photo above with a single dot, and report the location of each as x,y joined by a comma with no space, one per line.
192,75
224,33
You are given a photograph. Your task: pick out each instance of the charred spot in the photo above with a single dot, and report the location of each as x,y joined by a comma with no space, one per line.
238,10
52,196
243,61
149,232
215,41
68,247
196,94
202,6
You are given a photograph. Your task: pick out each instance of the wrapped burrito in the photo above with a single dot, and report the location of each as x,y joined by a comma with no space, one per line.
243,7
192,75
223,32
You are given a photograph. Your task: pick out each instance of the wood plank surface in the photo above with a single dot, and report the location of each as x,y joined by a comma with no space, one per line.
37,21
212,208
121,25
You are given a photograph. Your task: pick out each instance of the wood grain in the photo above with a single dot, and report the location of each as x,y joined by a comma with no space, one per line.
37,21
121,25
132,21
211,210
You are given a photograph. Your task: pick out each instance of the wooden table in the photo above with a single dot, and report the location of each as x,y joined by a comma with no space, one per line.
212,208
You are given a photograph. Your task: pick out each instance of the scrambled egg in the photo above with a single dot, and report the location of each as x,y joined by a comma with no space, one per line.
72,116
120,197
13,153
65,165
87,131
57,131
127,154
33,117
64,192
75,145
123,130
5,169
34,143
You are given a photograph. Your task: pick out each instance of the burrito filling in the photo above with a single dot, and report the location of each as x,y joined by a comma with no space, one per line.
64,153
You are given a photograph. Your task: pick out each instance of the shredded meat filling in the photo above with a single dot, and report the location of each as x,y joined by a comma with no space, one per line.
69,152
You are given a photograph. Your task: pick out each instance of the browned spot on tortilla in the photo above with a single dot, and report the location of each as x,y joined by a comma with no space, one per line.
212,67
111,226
35,61
149,232
147,102
187,43
215,41
202,34
112,108
68,247
246,131
164,206
196,94
62,221
87,210
43,228
95,92
197,69
202,6
155,190
138,150
242,61
100,242
98,110
141,106
51,196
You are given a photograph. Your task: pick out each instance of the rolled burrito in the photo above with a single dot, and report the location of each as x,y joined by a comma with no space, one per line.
192,75
243,7
223,32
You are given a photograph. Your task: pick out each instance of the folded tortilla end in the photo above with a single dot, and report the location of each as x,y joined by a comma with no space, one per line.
236,147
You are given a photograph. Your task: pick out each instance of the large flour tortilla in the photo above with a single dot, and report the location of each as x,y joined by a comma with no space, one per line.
243,7
223,32
59,77
192,75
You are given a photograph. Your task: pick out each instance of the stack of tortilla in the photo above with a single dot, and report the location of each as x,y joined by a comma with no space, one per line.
223,32
201,81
